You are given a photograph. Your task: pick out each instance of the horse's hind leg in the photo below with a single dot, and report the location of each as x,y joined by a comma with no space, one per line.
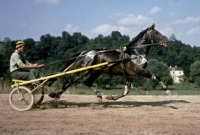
89,82
126,91
68,83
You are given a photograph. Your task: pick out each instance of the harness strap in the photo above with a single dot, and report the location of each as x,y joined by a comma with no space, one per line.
75,60
122,59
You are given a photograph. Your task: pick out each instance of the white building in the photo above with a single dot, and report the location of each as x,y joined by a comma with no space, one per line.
176,73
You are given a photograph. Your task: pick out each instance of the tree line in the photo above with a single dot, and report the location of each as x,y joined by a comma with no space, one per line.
55,51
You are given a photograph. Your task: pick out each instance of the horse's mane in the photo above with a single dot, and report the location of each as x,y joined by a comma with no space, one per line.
135,39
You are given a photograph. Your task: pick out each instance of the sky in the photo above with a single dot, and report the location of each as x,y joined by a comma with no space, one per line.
22,19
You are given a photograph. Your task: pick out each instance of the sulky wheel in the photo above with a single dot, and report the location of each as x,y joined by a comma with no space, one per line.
21,98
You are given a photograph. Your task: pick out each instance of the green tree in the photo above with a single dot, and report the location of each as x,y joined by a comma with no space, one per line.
7,48
116,35
30,52
138,81
172,37
195,72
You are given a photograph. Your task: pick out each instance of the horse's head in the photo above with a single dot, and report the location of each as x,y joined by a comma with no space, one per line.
140,45
149,37
155,37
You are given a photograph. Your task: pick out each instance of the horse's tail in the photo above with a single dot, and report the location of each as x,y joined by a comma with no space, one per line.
72,61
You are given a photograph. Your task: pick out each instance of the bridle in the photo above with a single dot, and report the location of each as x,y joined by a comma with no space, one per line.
149,35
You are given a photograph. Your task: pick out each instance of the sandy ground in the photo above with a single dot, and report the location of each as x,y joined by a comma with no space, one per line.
83,115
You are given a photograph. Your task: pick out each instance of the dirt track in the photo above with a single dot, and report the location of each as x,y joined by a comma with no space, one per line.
83,115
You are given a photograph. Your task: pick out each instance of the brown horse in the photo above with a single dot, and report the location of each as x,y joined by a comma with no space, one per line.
129,63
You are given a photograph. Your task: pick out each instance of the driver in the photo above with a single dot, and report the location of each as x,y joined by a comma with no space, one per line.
20,68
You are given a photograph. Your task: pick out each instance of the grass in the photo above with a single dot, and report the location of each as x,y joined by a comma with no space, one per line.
175,89
189,89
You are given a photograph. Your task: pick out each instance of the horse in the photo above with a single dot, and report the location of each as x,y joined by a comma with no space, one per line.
129,61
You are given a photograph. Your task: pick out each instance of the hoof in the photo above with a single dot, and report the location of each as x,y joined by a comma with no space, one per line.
168,92
99,99
109,97
54,95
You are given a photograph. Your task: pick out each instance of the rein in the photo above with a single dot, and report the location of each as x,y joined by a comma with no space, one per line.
138,46
145,45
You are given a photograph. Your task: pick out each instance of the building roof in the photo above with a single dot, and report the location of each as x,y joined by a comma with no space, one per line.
175,68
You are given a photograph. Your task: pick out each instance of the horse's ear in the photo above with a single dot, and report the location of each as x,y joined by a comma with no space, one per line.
153,26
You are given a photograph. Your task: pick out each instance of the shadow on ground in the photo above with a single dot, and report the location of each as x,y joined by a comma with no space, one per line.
111,104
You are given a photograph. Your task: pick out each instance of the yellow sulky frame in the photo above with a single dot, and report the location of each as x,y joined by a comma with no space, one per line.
22,98
24,82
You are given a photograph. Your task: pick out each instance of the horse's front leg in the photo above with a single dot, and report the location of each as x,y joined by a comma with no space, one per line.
126,91
156,78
